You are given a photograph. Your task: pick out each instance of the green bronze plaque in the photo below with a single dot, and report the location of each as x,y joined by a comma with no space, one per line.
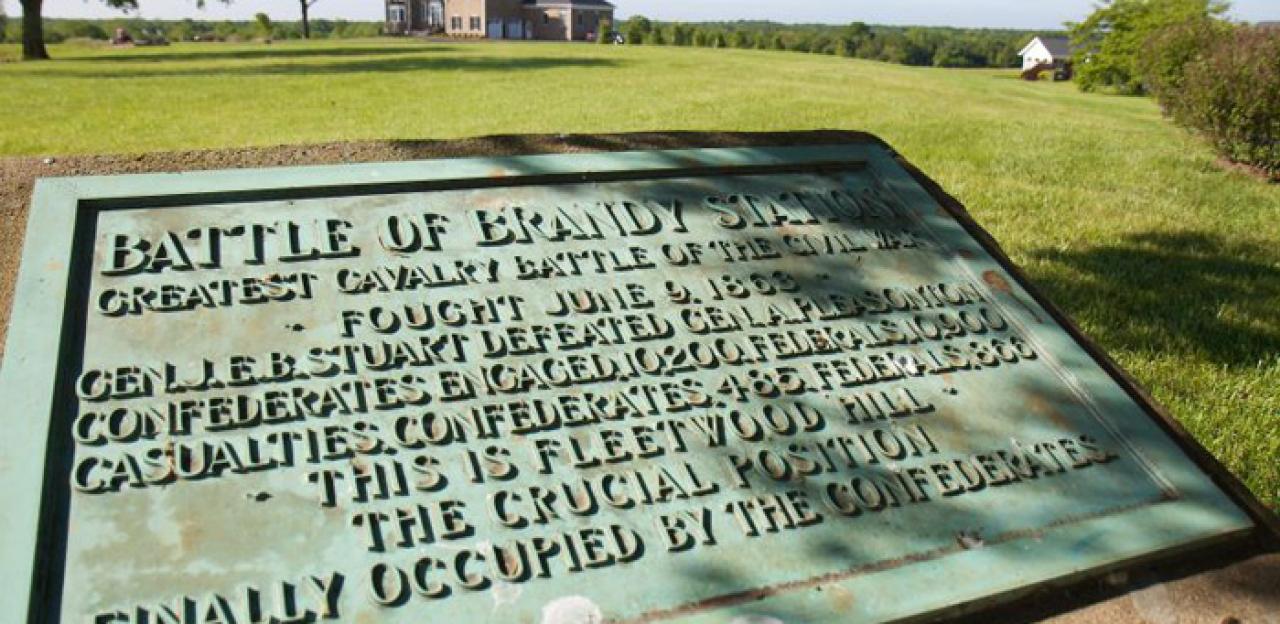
743,385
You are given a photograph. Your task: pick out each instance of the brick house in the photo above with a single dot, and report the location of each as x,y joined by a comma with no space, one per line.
553,20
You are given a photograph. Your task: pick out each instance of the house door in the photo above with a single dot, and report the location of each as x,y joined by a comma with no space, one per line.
515,29
495,29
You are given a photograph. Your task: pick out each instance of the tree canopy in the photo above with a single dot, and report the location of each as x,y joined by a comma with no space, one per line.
1109,42
33,47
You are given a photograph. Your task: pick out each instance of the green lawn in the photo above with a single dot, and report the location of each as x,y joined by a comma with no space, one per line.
1171,263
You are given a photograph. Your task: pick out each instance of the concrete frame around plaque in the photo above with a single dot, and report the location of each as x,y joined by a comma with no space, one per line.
935,558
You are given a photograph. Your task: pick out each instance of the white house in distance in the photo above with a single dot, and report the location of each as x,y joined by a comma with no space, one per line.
1055,51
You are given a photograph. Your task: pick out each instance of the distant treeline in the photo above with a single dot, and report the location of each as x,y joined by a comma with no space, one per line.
913,45
60,30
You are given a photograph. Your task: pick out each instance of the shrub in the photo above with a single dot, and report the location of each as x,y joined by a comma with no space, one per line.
1232,96
956,54
679,35
1109,42
822,44
1167,53
637,30
263,22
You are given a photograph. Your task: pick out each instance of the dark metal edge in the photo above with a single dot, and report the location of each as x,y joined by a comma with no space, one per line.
1267,521
1266,532
453,184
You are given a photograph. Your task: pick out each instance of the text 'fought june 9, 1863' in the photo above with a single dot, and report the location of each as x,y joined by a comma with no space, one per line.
475,398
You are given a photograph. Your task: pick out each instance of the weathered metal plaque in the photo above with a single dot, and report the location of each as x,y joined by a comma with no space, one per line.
770,384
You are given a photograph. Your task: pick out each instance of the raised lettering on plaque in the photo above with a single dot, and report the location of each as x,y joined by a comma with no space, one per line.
777,383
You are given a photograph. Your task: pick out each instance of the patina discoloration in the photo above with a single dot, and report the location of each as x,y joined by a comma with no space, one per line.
637,387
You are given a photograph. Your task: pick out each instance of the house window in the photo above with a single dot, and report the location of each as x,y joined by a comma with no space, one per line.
475,22
579,19
546,19
435,13
397,14
455,23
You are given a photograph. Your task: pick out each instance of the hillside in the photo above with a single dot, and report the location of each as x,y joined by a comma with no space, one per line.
1168,261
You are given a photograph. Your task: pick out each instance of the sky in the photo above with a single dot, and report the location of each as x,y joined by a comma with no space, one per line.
1026,14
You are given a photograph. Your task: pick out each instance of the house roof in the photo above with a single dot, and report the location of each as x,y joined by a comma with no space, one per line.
595,4
1058,47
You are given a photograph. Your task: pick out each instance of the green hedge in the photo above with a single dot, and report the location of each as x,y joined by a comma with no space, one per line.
1167,54
1228,89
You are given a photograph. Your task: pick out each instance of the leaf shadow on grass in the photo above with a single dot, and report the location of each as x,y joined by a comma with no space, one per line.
731,574
728,579
1195,264
733,578
219,54
1175,292
398,63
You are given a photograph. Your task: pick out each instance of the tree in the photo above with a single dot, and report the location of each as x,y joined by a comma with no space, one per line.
264,24
855,35
226,31
602,31
306,20
699,38
954,53
684,35
637,29
82,29
919,46
33,48
822,44
1109,42
857,31
949,47
679,35
799,41
33,31
842,47
4,22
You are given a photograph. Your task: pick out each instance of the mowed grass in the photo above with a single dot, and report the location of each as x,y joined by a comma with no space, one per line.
1171,263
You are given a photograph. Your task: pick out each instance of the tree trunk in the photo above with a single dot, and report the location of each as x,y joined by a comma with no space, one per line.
33,31
306,24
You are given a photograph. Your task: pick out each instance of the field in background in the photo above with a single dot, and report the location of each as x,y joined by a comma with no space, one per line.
1172,264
